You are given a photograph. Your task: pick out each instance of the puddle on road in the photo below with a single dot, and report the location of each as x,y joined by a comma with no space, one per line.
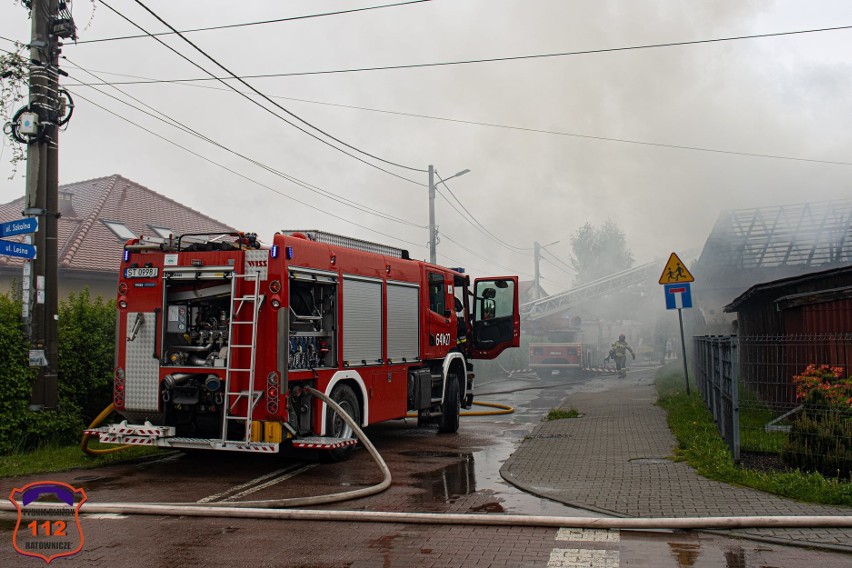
735,558
479,473
684,553
448,483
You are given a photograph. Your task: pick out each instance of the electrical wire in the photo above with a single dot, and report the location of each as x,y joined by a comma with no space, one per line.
527,57
243,176
559,260
479,226
181,126
247,97
488,260
176,124
505,126
556,266
233,75
260,22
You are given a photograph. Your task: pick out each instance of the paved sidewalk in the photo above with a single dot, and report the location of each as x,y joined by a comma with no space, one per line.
613,460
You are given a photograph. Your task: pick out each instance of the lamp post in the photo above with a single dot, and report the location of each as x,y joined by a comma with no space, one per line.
433,230
538,248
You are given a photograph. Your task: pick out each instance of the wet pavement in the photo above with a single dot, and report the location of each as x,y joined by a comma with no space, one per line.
614,460
431,473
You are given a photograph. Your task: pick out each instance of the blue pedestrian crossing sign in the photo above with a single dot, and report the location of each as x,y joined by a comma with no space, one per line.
678,296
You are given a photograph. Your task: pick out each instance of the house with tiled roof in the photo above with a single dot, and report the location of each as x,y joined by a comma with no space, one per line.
97,218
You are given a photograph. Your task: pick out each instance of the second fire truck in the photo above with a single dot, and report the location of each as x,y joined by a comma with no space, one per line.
219,339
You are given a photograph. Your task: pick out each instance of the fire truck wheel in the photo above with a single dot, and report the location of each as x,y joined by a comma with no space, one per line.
335,426
451,408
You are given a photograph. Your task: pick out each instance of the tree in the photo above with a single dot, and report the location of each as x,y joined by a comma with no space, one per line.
599,252
13,75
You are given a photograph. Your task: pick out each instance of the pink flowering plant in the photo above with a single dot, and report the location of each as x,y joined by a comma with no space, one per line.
823,385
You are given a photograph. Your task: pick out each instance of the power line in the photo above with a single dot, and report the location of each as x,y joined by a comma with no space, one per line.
556,266
479,225
520,57
181,126
517,128
258,23
247,97
177,124
243,176
489,260
266,98
559,260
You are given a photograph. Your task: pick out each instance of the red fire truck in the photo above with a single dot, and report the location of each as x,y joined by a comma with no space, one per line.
219,337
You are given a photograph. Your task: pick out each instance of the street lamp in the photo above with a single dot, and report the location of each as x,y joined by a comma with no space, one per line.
538,248
433,230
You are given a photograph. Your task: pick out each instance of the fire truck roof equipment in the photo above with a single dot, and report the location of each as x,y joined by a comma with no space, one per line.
348,242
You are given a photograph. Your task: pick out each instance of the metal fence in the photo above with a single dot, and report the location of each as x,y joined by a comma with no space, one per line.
716,377
765,418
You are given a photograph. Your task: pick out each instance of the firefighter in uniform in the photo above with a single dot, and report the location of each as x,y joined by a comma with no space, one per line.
619,353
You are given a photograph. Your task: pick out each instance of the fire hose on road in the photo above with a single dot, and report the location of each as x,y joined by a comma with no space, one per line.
279,508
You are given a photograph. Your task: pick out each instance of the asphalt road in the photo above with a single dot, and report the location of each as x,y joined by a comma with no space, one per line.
432,472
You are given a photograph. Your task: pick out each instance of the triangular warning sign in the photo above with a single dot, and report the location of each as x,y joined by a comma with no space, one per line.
675,272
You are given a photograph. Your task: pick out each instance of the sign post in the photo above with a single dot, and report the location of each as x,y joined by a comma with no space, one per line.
675,280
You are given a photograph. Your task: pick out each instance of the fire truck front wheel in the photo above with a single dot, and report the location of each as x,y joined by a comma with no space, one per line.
335,426
451,408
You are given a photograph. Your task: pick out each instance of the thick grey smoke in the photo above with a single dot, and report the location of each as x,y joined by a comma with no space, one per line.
783,96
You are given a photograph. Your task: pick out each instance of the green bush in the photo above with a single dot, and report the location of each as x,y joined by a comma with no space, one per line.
821,434
821,440
86,352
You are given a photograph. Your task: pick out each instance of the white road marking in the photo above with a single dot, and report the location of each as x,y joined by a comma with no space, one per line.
581,558
279,479
104,516
242,486
588,535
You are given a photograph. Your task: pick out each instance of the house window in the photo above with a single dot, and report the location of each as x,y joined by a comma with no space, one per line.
120,229
163,232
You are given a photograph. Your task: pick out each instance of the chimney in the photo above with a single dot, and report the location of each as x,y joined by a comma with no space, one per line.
66,205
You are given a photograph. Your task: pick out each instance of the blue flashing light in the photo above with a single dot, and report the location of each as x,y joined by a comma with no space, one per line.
274,252
458,269
126,255
289,253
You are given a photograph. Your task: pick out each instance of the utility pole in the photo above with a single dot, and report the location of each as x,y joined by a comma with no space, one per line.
42,196
537,254
433,231
537,292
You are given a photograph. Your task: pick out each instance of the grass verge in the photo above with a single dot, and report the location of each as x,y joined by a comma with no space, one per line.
51,459
560,413
701,446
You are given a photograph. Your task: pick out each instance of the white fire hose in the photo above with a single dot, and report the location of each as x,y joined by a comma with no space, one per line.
277,509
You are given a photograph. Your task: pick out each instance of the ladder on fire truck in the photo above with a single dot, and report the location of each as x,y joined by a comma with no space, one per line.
248,327
561,302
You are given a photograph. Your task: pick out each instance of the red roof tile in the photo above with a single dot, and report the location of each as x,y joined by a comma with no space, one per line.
85,243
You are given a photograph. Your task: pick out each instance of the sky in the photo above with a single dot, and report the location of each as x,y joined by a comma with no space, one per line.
551,143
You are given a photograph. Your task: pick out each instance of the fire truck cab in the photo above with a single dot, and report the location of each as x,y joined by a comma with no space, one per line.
220,337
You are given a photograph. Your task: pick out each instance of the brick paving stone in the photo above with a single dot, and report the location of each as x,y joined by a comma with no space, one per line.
613,459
